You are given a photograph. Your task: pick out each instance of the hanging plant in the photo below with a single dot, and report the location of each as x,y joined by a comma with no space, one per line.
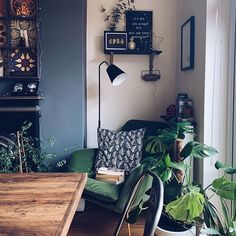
117,13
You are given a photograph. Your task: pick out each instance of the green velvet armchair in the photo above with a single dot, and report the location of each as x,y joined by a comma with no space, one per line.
109,195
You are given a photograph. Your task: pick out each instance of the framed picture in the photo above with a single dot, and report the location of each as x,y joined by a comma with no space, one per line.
187,44
139,30
18,89
31,88
115,41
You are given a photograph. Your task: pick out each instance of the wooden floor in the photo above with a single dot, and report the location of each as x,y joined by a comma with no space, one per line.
97,221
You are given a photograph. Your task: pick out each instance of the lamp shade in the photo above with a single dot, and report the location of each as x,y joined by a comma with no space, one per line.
116,75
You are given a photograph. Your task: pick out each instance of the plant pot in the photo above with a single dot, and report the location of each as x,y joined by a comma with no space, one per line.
168,227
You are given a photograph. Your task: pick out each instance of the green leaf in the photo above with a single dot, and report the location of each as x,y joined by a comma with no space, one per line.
224,188
165,175
186,207
198,150
167,160
134,214
227,169
187,150
153,146
179,166
172,190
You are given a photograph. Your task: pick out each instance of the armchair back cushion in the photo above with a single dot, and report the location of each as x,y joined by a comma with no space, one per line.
82,161
151,128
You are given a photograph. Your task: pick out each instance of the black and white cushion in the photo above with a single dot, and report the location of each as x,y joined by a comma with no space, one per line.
119,150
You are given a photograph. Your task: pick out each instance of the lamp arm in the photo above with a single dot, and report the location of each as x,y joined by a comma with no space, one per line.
99,92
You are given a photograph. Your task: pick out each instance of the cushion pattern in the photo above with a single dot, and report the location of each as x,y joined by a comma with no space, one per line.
119,150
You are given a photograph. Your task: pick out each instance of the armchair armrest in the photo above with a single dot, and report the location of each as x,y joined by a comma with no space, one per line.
82,161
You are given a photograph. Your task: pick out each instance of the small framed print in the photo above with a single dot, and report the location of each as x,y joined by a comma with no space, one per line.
31,88
18,89
115,41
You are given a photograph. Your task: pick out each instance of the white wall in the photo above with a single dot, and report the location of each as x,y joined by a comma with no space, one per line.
193,81
207,84
135,99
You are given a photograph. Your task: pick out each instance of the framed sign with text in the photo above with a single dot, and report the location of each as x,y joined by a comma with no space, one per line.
139,30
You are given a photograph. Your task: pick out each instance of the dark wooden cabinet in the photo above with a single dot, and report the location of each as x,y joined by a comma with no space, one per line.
19,40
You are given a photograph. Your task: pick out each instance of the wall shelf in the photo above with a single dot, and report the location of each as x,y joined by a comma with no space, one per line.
20,109
130,52
37,97
151,55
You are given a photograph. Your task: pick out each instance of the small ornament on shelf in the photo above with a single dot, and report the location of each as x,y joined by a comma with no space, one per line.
131,44
26,38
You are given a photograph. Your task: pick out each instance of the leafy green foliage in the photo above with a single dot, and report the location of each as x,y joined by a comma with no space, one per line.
33,158
227,169
187,207
197,150
117,13
224,188
186,202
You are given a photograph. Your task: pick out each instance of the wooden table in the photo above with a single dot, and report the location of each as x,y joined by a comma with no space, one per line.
39,203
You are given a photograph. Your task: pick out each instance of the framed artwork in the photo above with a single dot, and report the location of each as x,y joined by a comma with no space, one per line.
18,88
115,41
31,88
139,29
187,44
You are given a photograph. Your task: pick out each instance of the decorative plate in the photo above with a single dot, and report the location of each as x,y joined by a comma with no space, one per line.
29,26
23,61
23,7
3,34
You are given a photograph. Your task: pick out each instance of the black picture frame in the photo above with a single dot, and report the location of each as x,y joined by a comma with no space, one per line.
115,41
31,88
139,26
187,44
18,88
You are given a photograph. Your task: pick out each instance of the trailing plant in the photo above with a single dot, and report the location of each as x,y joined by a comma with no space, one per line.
24,154
117,13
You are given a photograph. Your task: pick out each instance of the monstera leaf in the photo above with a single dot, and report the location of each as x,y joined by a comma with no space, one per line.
224,188
186,207
227,169
197,150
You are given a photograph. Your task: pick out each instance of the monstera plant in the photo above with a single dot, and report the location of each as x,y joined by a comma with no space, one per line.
184,201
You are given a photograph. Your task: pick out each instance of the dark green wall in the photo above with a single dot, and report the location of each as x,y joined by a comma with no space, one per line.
63,30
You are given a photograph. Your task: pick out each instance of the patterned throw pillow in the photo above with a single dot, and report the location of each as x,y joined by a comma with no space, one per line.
121,150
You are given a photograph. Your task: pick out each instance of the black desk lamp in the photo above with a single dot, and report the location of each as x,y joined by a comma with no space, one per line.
117,77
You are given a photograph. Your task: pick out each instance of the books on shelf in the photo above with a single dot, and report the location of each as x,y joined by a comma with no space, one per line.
110,175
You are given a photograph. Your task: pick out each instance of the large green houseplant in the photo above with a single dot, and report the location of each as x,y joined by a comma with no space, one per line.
185,202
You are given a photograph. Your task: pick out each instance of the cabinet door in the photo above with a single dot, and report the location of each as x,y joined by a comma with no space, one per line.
19,39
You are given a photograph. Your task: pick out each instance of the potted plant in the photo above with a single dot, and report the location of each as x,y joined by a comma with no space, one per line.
169,164
20,153
117,13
